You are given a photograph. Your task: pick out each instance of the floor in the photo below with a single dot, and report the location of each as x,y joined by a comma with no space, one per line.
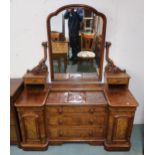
85,149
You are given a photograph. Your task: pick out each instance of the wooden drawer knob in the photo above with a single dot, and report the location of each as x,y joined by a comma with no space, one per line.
91,121
90,133
60,122
91,110
60,133
60,111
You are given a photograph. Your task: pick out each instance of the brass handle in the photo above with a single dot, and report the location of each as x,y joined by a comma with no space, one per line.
91,110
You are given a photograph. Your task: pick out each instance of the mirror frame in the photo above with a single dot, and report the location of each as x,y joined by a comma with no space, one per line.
48,23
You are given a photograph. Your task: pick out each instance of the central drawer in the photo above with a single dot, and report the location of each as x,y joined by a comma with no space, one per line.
75,119
55,110
75,133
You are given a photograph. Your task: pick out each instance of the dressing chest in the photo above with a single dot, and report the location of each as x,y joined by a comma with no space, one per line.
74,107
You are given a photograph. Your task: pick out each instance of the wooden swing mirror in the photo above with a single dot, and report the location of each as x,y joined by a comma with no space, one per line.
89,44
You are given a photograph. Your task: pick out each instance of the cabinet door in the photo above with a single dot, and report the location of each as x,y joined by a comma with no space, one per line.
119,127
32,127
122,125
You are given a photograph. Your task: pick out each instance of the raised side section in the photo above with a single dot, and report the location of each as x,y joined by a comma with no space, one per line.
31,115
32,128
122,108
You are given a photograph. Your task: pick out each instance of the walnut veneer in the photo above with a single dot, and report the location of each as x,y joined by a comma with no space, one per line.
87,113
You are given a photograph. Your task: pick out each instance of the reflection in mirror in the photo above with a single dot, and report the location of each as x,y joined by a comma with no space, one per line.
76,36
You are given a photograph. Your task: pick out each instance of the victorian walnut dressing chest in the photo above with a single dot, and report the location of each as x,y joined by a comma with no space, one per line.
74,107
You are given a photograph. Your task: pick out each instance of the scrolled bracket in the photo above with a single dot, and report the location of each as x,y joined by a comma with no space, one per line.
111,67
41,68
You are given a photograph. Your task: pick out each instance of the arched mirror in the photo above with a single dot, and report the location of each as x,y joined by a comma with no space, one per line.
76,39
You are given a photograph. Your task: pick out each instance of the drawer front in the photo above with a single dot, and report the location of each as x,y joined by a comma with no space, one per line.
75,133
117,80
76,119
76,109
34,80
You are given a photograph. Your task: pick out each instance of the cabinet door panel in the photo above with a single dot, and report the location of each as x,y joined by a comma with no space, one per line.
121,128
31,128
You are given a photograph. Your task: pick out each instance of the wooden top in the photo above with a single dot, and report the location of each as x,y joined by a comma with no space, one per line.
32,98
76,98
76,94
121,98
15,84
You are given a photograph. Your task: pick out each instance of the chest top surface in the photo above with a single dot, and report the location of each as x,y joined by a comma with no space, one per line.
121,98
76,98
31,99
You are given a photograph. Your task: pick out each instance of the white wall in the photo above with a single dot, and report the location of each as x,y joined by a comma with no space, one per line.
124,30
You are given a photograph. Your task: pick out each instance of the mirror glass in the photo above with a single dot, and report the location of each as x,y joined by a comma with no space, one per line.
76,37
